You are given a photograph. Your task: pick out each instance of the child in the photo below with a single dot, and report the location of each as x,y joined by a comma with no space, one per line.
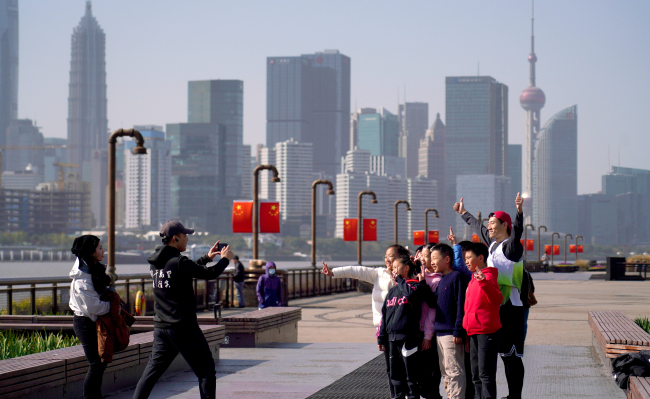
269,288
399,332
482,321
450,301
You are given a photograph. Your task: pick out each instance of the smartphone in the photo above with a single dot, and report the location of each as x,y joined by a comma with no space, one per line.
221,246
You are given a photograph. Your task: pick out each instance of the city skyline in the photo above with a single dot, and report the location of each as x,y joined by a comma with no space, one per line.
602,36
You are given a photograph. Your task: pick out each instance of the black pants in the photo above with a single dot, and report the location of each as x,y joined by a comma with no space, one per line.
511,347
86,330
192,345
430,377
404,370
390,382
469,384
483,350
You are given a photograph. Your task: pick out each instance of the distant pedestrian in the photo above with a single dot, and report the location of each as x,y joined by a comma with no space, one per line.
89,282
269,288
176,329
239,281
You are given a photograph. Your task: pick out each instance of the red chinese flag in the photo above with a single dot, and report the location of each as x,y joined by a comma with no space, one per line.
580,249
556,249
475,238
369,229
572,249
522,242
270,217
434,236
530,245
349,229
418,237
547,249
242,217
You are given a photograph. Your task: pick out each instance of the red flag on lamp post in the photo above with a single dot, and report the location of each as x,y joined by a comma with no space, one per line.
418,237
572,249
556,249
349,229
580,249
369,229
434,236
475,238
530,245
270,217
547,249
242,217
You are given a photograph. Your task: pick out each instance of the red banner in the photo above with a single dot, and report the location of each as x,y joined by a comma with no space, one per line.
349,229
418,237
369,229
530,245
434,236
242,217
580,249
547,249
270,217
572,249
556,249
475,238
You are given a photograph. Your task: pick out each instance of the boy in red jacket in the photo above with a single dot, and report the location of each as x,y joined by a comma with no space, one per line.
482,321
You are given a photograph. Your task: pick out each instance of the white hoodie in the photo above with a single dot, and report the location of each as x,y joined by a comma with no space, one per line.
379,277
84,300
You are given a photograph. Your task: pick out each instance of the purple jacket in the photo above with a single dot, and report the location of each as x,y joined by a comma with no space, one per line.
269,289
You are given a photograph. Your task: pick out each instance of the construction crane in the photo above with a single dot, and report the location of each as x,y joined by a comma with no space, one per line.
61,166
30,147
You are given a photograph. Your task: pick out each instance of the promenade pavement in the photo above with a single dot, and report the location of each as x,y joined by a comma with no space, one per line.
336,336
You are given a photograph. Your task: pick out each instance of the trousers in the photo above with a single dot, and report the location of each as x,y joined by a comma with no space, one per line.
483,351
452,366
86,330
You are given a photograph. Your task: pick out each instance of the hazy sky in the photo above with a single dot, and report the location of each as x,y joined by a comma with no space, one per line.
593,53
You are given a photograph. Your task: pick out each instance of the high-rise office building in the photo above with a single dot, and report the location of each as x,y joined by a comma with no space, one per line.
477,130
222,101
555,172
8,65
432,162
147,181
514,169
308,99
485,194
626,180
23,133
413,123
293,161
52,156
247,173
378,131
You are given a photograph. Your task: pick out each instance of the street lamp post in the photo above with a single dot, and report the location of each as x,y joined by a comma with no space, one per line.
408,208
360,221
539,242
426,222
330,191
256,208
582,238
137,150
478,217
565,245
532,228
553,246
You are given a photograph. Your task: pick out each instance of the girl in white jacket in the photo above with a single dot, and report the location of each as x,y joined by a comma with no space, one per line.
382,280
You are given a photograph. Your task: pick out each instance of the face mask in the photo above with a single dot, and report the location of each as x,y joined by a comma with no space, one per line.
271,271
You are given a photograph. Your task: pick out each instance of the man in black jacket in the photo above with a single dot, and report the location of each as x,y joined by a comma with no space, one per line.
176,329
238,278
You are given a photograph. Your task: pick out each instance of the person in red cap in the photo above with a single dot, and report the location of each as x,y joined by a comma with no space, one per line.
502,237
176,329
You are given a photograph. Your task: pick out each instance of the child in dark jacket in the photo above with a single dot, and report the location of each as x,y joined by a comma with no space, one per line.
399,331
482,321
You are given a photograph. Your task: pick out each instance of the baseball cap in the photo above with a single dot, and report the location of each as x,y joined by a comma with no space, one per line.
504,217
174,227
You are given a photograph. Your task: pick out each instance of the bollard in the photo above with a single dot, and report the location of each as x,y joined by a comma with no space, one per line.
54,298
22,255
9,300
11,255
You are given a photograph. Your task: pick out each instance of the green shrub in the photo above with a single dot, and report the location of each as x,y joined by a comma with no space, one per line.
644,323
15,345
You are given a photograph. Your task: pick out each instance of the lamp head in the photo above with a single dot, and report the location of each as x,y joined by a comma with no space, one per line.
137,150
275,179
330,192
408,208
373,201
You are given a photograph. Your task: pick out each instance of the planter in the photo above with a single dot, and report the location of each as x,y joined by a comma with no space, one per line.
564,269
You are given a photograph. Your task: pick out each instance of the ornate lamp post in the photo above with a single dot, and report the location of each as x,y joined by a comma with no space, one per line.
565,245
137,150
408,208
532,228
553,246
360,221
256,202
426,222
582,238
539,242
330,191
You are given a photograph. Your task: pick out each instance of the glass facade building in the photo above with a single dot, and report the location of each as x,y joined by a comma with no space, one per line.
378,132
555,172
8,65
413,123
514,169
308,99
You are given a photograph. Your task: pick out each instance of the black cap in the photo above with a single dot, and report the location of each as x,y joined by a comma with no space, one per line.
174,227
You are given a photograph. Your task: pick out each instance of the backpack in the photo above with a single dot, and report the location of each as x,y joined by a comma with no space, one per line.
630,364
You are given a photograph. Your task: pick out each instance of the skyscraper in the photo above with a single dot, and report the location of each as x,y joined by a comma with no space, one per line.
378,131
555,167
413,123
532,99
87,122
432,162
514,169
8,65
477,130
308,99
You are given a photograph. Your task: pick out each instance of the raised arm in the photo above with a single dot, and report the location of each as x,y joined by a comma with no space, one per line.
477,227
512,249
363,273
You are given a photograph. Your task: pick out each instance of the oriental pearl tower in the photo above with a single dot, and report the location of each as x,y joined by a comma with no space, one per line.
532,99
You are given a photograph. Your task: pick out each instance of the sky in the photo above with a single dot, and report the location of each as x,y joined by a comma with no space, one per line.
593,53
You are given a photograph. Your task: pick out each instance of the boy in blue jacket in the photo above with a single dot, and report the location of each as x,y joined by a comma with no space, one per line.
269,288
